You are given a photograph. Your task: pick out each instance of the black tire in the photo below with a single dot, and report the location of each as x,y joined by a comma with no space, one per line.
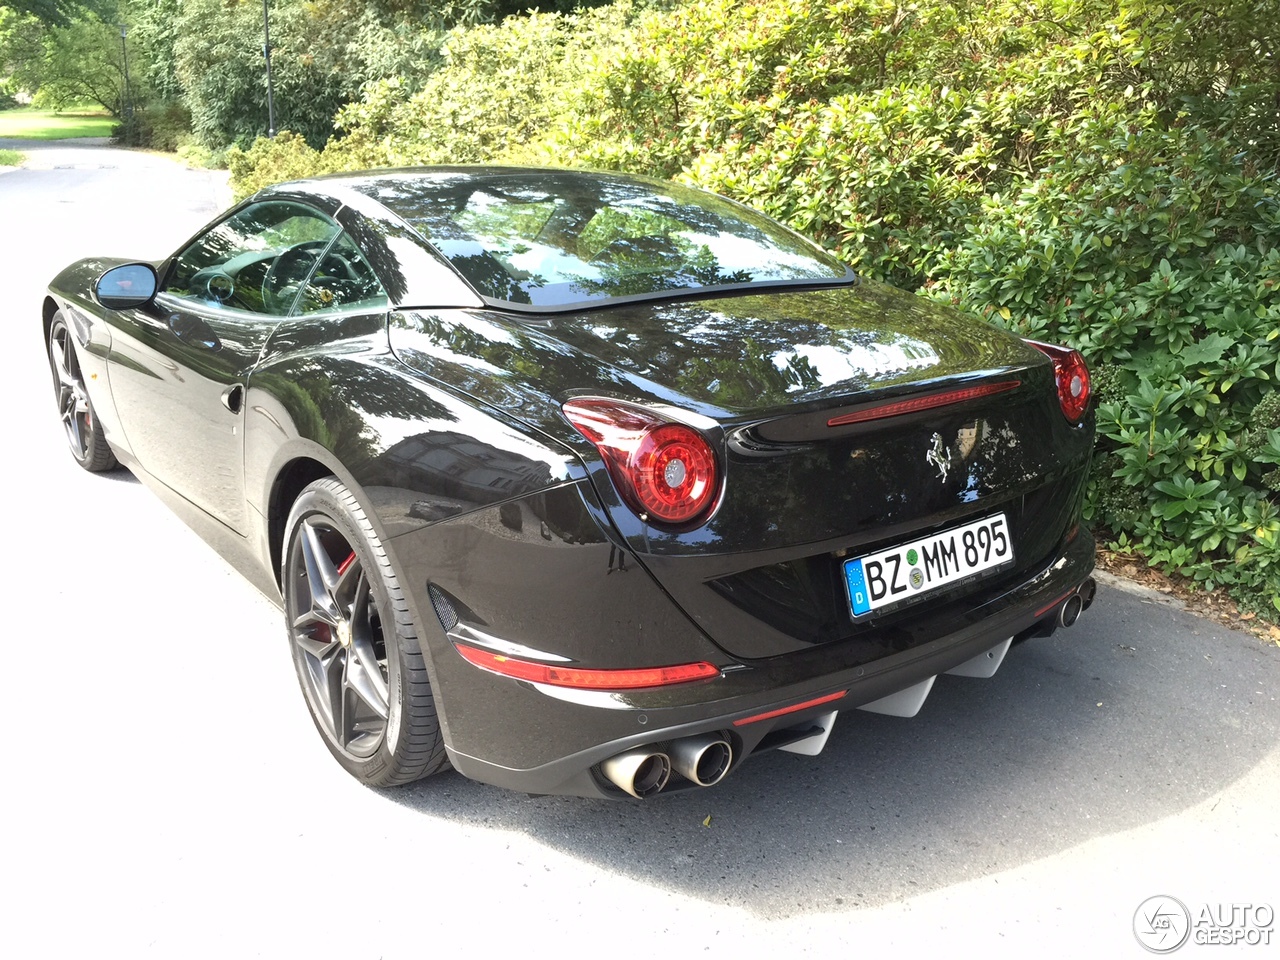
353,643
84,432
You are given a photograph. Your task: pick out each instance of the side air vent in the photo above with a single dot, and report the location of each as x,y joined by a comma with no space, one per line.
444,608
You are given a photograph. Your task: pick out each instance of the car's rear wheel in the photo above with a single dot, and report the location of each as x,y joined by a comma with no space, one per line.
354,644
84,432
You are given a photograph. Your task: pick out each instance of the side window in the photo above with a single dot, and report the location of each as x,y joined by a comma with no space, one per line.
256,260
343,280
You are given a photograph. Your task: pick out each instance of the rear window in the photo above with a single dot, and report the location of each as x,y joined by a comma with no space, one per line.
550,239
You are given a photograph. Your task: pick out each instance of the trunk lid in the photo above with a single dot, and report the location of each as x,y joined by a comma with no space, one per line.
736,359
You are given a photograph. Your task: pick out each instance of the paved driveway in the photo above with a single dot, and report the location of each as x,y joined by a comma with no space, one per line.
167,796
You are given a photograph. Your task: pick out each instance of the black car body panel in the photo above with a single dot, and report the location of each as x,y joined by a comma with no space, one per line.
763,569
444,414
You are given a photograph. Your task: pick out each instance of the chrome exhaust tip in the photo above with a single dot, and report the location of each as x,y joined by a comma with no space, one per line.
1069,612
705,760
641,773
1087,591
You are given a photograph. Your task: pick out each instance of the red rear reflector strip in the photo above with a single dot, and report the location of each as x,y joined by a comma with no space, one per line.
916,404
1048,607
793,709
563,676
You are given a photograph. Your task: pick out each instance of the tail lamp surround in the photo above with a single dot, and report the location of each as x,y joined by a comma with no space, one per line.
667,472
1072,376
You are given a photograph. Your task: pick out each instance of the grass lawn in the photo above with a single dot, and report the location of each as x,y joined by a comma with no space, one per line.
27,123
10,158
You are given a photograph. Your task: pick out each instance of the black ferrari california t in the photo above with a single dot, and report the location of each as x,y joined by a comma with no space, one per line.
582,483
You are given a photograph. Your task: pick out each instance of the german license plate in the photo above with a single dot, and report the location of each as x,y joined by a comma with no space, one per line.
911,570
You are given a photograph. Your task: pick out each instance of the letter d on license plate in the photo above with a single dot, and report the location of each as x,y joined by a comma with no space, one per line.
912,570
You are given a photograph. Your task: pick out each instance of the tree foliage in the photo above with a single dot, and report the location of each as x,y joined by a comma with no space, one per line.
66,61
229,103
58,13
84,63
495,91
203,59
22,49
1220,59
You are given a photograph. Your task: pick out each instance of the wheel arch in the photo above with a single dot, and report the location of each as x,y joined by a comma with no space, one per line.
49,308
289,483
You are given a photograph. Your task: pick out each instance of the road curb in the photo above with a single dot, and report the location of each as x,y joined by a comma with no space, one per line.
1137,589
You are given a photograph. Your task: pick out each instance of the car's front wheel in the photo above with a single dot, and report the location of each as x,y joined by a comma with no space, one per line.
84,432
354,644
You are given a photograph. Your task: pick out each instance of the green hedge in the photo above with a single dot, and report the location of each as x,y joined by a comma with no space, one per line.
1157,252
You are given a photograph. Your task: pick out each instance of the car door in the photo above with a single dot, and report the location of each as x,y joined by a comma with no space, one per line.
179,365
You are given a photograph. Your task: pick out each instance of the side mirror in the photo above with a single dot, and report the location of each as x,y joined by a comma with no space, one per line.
128,286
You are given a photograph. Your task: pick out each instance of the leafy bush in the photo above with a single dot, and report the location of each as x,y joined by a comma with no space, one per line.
287,157
875,128
888,180
321,54
498,87
1157,252
161,126
197,155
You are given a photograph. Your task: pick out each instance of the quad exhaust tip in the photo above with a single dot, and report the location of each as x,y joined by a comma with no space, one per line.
641,773
1088,590
704,760
1077,603
1069,612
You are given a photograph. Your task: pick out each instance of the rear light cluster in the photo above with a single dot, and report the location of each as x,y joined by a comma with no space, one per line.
666,472
1072,376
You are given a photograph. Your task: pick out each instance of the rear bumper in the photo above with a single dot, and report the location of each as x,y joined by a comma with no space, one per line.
548,740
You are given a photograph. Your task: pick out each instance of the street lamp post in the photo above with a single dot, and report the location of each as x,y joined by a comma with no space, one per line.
128,100
266,53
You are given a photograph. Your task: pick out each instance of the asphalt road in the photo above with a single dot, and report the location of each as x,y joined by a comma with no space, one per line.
166,795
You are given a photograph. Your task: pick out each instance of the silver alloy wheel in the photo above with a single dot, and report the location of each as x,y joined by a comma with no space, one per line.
73,401
338,638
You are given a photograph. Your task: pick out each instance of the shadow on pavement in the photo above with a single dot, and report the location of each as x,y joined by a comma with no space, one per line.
120,475
1116,723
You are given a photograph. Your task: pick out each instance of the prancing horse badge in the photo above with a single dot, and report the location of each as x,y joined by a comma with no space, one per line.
940,457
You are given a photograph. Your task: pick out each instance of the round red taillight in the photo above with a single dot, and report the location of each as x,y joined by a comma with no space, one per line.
666,472
1072,376
674,472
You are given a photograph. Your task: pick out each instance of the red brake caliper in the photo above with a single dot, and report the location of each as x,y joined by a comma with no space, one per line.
346,564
